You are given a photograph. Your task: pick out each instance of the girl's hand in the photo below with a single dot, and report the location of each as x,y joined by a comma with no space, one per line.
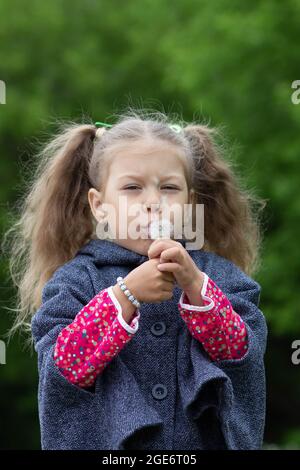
175,259
148,284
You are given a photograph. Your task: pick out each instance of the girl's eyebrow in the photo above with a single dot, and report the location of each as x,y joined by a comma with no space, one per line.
130,176
139,177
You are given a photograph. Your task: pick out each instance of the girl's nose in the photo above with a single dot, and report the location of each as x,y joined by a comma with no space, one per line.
152,207
153,201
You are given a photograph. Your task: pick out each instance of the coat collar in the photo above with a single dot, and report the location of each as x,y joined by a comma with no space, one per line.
109,252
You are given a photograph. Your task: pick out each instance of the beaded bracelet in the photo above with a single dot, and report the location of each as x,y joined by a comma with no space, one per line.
127,292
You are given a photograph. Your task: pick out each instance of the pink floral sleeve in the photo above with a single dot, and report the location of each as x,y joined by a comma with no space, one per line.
97,334
215,324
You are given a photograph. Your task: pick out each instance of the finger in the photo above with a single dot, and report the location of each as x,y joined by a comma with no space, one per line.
154,248
166,276
170,267
173,254
158,246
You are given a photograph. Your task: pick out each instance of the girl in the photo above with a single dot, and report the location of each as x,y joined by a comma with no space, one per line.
141,343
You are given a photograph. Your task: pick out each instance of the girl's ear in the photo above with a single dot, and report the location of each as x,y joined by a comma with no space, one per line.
95,202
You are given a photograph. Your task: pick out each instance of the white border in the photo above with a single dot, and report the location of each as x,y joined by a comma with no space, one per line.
198,308
125,325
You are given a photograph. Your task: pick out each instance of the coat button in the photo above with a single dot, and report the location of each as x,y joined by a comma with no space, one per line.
158,328
159,391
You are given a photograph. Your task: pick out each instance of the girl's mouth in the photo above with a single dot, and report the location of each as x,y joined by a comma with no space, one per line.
159,229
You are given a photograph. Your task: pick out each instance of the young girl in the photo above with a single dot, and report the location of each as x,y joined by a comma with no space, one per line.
141,343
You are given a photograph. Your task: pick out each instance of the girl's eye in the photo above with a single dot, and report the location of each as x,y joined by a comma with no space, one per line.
170,187
165,187
131,187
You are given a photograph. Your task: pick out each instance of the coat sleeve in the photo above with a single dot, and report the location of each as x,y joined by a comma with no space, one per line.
64,295
235,388
73,417
215,324
99,332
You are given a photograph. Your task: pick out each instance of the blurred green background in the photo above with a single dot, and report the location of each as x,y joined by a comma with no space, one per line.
229,62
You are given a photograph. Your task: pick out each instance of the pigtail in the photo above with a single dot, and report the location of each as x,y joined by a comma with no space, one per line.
231,212
55,218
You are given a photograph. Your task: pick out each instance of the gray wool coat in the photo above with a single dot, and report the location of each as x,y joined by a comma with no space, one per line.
162,391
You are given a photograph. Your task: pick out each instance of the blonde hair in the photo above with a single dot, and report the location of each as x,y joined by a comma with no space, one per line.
54,219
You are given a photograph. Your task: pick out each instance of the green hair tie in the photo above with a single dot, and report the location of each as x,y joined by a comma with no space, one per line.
175,127
98,123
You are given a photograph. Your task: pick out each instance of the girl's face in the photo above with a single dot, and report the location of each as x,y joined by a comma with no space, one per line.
142,174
